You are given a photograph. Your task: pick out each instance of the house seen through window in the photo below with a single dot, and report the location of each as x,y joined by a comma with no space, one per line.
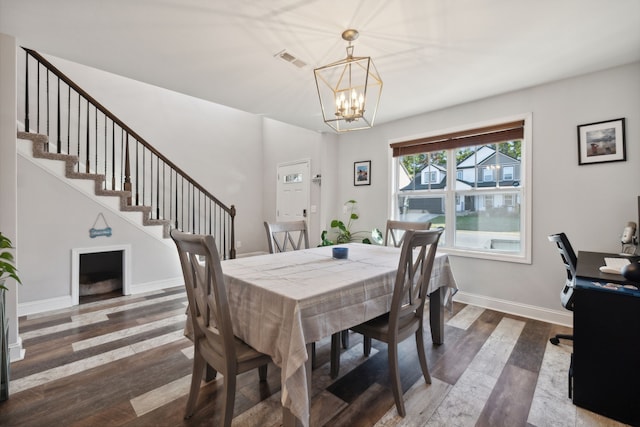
481,207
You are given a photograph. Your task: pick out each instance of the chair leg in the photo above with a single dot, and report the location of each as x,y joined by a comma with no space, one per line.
196,379
228,399
262,373
556,340
366,342
394,377
422,356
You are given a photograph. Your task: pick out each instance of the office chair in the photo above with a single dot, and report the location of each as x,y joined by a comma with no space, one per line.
569,260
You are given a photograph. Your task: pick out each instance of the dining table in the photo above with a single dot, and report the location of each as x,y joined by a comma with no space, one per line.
282,303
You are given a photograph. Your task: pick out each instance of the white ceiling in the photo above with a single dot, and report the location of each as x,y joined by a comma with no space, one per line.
430,53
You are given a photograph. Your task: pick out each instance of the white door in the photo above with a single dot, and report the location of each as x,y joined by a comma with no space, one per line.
292,198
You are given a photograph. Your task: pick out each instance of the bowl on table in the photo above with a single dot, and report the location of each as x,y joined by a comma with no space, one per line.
340,253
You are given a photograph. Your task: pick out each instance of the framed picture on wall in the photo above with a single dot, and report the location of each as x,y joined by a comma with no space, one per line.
362,173
601,142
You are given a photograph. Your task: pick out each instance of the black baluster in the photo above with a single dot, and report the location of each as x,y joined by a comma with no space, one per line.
38,97
26,93
47,110
86,155
95,120
58,140
137,178
68,119
78,140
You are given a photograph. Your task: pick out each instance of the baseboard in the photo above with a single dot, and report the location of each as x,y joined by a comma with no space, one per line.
41,306
156,286
16,351
247,254
564,317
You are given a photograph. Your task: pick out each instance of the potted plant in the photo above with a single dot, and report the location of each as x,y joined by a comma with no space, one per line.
7,267
343,231
7,270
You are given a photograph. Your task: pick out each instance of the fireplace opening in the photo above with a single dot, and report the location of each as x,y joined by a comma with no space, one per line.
100,275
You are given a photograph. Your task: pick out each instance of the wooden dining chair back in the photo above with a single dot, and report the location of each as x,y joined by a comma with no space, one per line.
287,236
406,316
211,330
396,231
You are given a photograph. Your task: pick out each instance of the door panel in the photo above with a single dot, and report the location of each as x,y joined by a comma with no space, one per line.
292,198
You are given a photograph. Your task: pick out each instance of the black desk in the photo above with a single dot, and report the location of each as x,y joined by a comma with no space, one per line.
606,348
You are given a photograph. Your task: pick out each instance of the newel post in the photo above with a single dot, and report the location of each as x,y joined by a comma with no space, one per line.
232,250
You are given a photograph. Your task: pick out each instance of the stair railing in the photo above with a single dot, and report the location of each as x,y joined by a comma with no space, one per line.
77,124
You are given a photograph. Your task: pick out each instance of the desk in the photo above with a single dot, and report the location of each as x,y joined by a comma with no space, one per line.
281,302
606,348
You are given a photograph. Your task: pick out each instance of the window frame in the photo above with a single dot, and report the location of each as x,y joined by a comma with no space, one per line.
449,193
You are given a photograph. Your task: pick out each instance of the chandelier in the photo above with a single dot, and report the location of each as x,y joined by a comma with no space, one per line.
349,90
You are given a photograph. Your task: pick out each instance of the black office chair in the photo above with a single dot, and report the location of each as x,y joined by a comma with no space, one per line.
569,260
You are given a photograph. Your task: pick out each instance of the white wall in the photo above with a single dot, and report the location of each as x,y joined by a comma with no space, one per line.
286,143
590,203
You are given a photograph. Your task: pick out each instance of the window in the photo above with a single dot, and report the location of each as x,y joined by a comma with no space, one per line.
507,173
429,176
484,210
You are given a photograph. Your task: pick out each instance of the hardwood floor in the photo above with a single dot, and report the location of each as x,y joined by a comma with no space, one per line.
124,362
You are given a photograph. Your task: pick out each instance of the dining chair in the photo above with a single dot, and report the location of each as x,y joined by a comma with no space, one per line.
287,235
211,330
406,316
396,230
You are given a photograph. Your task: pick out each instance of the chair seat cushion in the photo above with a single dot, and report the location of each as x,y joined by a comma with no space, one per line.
244,352
378,328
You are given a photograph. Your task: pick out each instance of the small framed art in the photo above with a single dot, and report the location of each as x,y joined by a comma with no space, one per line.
362,173
601,142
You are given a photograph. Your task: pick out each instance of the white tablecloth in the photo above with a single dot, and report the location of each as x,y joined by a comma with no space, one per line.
280,302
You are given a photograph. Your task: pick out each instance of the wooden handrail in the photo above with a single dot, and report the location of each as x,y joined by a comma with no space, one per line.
126,128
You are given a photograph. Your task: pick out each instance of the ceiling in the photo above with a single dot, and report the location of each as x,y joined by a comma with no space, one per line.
430,54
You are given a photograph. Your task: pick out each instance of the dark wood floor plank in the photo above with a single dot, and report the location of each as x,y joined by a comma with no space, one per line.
366,409
529,349
510,400
459,353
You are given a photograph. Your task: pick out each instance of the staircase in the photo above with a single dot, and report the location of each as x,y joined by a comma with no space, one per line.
66,124
40,143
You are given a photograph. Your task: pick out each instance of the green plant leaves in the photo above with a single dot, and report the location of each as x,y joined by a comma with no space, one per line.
7,269
344,233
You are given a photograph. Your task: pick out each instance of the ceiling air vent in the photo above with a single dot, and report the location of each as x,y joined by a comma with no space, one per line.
286,56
